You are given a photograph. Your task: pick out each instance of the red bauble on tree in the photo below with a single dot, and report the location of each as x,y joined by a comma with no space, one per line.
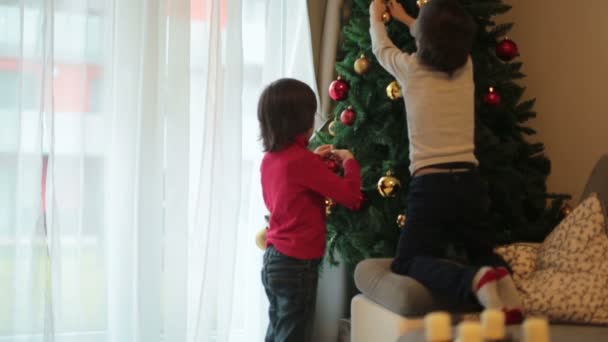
338,89
492,98
348,116
332,165
507,50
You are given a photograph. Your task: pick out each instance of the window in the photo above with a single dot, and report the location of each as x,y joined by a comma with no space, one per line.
78,78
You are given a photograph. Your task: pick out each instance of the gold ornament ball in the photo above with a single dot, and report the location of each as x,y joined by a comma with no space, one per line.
332,128
401,220
260,238
386,17
362,65
388,186
393,90
329,206
421,3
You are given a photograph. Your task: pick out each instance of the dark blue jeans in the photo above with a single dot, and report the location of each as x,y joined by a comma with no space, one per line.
446,210
291,287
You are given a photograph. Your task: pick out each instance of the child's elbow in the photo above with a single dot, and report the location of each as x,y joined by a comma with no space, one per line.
376,50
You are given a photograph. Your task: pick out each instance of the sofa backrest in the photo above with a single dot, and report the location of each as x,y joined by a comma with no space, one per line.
598,181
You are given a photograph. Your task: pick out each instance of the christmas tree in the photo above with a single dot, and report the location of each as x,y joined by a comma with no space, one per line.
369,119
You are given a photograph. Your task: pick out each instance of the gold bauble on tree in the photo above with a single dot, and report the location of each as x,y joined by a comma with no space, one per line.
388,186
386,17
362,65
329,206
401,220
332,128
421,3
260,238
393,91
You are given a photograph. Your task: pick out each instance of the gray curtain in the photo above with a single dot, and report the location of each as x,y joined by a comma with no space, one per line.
335,286
326,20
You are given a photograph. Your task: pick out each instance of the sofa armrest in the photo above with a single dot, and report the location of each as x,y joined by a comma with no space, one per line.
400,294
373,322
598,181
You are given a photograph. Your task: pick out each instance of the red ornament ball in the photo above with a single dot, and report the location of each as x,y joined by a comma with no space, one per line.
332,165
348,116
492,98
338,89
507,50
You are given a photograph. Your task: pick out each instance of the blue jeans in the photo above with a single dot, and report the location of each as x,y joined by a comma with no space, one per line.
291,287
446,209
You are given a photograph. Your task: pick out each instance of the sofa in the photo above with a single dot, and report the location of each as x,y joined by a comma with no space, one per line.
391,307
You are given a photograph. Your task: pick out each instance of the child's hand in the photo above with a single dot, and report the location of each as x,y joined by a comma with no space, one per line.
398,12
343,155
376,8
324,150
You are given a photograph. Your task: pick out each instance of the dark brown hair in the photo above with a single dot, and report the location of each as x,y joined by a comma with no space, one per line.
446,33
286,109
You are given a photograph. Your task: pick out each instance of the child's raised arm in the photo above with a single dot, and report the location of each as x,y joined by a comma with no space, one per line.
389,56
399,13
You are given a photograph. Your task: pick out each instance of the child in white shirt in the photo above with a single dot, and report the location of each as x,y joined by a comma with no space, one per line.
447,200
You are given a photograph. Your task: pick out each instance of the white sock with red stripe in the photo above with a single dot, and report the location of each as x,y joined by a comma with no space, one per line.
485,287
509,295
507,289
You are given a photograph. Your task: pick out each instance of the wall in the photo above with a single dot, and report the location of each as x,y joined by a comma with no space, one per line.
564,48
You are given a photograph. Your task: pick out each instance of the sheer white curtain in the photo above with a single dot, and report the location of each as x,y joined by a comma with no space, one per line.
129,182
84,212
259,41
26,103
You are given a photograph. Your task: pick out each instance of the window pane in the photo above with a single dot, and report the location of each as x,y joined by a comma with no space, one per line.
9,83
78,164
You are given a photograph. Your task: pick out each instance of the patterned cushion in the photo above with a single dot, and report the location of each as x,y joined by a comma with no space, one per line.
570,282
572,297
579,241
521,257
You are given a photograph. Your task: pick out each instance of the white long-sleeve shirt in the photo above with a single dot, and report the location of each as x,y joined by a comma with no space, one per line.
440,108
